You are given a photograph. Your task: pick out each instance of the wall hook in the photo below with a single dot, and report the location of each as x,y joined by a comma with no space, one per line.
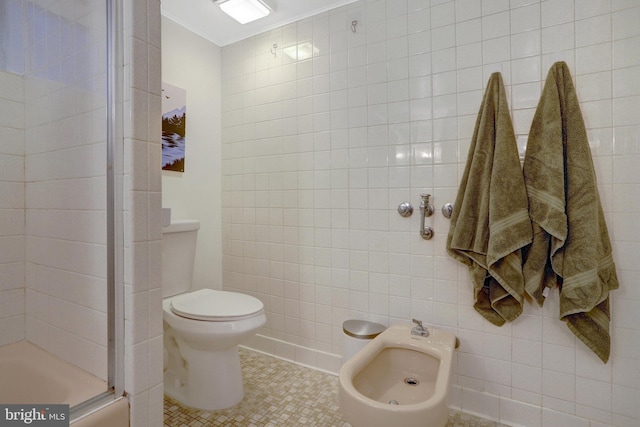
354,23
273,49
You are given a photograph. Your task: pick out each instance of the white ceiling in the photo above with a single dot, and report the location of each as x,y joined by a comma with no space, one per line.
205,18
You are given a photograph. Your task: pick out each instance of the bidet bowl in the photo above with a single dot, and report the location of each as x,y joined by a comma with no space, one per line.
398,375
399,379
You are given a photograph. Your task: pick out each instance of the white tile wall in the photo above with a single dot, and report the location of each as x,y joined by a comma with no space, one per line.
12,208
317,154
64,182
142,212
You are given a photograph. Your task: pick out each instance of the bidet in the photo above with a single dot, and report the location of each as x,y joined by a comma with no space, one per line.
399,378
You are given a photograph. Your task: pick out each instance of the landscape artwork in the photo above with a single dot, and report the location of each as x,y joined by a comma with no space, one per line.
174,122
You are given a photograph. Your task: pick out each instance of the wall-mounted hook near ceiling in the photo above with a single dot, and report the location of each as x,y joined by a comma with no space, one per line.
354,23
273,49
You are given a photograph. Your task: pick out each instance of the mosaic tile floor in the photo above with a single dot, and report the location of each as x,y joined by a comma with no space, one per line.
279,393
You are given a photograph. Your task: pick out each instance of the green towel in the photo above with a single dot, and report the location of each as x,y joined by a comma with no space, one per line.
571,244
490,224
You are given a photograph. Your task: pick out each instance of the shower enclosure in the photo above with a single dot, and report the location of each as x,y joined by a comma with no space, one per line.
60,184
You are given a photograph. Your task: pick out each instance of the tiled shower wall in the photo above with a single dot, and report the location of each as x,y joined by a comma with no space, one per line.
11,207
65,180
54,156
319,151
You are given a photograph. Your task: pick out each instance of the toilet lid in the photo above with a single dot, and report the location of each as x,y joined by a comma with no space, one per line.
207,304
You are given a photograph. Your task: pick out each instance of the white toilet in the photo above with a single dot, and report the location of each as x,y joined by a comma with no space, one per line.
202,328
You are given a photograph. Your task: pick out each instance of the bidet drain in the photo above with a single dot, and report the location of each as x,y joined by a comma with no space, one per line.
411,381
393,402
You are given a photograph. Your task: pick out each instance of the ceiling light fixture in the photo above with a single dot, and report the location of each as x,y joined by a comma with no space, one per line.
245,11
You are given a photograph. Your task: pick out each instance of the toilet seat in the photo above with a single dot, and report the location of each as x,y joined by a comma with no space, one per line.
216,306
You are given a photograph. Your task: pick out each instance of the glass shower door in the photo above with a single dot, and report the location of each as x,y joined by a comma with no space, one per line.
59,127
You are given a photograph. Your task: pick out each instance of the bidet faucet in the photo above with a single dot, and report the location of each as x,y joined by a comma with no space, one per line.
419,329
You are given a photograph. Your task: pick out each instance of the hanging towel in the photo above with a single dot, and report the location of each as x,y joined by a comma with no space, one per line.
490,223
571,245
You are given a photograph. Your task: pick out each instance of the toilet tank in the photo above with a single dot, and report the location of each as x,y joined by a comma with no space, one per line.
178,255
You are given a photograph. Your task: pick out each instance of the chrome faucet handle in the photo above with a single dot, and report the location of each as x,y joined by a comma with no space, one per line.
419,329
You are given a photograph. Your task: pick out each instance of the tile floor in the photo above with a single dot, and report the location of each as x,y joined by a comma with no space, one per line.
279,393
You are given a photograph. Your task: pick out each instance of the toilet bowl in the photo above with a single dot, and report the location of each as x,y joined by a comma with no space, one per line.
202,332
399,379
202,328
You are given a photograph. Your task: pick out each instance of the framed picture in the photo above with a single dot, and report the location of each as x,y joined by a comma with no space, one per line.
174,122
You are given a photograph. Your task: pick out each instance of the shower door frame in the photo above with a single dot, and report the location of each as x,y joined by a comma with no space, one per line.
115,235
